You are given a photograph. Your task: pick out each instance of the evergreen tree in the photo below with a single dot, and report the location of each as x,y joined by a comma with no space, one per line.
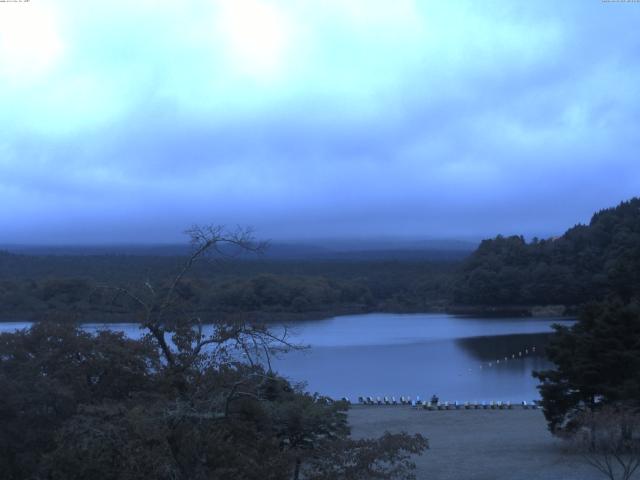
597,363
588,262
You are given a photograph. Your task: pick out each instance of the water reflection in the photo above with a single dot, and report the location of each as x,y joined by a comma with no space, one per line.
457,358
502,349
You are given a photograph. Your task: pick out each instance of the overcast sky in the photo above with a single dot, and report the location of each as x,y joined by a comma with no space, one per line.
127,121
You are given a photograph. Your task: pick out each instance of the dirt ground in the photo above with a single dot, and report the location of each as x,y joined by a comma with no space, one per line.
477,444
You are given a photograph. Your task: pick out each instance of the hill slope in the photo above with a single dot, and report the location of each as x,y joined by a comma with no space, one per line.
587,263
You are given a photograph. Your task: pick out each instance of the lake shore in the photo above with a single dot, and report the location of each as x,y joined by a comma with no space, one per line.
477,444
108,316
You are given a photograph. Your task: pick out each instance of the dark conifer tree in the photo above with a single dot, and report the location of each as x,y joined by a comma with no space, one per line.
597,363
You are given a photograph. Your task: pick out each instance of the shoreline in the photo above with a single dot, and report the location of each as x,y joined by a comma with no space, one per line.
267,317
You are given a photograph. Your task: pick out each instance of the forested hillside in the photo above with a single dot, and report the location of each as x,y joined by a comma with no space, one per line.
588,262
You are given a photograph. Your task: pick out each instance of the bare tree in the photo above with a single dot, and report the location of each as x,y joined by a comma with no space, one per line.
179,333
608,440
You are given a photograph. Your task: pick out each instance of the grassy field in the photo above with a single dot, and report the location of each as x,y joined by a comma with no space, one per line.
477,444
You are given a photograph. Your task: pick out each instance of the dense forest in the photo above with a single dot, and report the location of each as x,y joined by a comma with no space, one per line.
38,286
588,262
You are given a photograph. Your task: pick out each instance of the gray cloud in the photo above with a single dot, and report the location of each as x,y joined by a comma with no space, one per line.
459,122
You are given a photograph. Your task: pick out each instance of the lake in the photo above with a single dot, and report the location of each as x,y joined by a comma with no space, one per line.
457,358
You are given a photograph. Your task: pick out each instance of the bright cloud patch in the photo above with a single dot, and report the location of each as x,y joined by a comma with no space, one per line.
256,36
31,43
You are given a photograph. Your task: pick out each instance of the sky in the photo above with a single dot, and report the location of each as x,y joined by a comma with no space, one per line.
127,121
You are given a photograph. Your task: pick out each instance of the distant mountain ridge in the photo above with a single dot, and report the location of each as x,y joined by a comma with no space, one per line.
588,262
335,250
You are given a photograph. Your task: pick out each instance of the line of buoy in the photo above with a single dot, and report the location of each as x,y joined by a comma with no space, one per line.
514,356
492,405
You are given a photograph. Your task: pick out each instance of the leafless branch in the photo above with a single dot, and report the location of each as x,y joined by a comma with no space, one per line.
157,304
607,440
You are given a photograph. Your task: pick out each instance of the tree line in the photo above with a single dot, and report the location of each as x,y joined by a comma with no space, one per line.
34,287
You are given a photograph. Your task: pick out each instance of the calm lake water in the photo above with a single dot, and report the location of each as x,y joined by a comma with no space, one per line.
457,358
